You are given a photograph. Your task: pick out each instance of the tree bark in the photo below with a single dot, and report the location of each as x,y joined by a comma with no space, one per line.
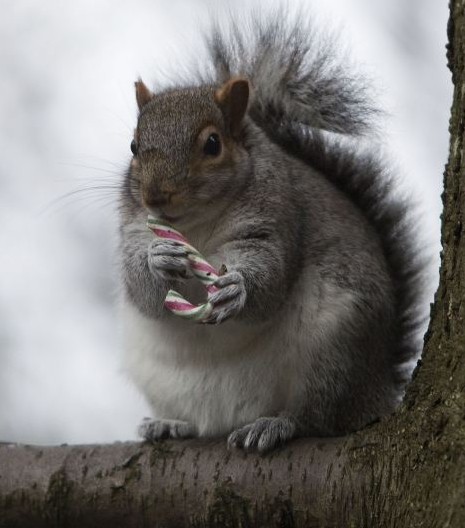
407,470
173,484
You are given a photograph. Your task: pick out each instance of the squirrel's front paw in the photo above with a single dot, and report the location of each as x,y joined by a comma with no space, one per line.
168,260
230,298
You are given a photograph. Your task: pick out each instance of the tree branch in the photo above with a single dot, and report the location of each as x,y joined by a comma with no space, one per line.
174,483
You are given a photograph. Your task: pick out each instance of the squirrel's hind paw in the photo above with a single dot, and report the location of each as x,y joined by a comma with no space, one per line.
264,434
154,430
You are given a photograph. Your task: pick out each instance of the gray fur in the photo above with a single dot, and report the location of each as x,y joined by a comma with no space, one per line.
298,74
320,256
141,286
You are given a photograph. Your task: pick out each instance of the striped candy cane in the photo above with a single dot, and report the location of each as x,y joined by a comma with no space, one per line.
174,301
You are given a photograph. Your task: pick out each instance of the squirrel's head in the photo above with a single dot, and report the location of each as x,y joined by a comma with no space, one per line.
188,148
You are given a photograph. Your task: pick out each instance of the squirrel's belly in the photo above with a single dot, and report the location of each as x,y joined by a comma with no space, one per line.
217,378
221,377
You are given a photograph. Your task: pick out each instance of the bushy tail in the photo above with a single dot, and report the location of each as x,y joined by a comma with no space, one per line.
362,176
297,74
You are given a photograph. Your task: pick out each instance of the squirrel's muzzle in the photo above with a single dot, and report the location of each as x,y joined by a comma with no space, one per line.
158,187
154,197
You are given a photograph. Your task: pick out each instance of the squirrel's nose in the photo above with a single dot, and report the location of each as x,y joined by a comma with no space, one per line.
153,198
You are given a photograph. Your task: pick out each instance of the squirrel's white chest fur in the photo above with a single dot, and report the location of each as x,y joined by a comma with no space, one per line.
221,377
214,377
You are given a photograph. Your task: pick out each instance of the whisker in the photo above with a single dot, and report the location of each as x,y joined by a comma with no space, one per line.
100,202
82,193
121,164
115,172
104,190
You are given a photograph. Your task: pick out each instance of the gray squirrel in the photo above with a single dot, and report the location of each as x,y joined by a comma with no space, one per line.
258,164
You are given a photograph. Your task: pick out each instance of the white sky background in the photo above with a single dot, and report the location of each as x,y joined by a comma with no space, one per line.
67,111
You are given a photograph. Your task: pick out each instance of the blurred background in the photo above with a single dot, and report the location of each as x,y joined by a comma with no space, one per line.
67,113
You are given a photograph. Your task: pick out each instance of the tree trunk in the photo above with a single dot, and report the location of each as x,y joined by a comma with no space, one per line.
407,470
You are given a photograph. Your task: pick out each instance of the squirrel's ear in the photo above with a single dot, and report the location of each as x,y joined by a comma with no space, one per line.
143,94
233,99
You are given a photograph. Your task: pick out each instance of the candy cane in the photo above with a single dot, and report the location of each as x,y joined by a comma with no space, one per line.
201,269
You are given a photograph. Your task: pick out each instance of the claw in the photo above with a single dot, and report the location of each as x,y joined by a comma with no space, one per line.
168,260
154,430
229,300
264,434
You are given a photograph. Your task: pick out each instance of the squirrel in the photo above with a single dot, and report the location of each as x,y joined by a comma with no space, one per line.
259,164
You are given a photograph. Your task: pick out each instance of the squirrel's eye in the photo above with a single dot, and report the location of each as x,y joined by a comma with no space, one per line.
212,146
134,147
